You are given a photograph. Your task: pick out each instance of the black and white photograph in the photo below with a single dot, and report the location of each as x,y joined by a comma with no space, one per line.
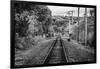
52,34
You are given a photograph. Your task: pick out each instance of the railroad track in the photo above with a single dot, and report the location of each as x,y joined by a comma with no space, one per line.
57,53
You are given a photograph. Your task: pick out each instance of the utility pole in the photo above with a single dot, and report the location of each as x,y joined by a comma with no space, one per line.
70,20
85,26
69,26
72,17
78,25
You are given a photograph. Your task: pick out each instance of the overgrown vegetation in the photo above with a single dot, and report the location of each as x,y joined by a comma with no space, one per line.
30,20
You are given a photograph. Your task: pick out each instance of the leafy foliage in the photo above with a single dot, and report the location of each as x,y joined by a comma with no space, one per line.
30,20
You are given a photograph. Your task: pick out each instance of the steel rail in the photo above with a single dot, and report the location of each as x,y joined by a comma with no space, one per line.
52,45
64,50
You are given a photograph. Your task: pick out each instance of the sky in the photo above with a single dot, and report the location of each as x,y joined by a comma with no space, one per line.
60,10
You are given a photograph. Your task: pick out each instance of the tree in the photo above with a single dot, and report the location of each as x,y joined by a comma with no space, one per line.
44,16
21,23
23,12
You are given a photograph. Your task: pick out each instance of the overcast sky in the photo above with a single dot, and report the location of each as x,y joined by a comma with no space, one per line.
60,10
